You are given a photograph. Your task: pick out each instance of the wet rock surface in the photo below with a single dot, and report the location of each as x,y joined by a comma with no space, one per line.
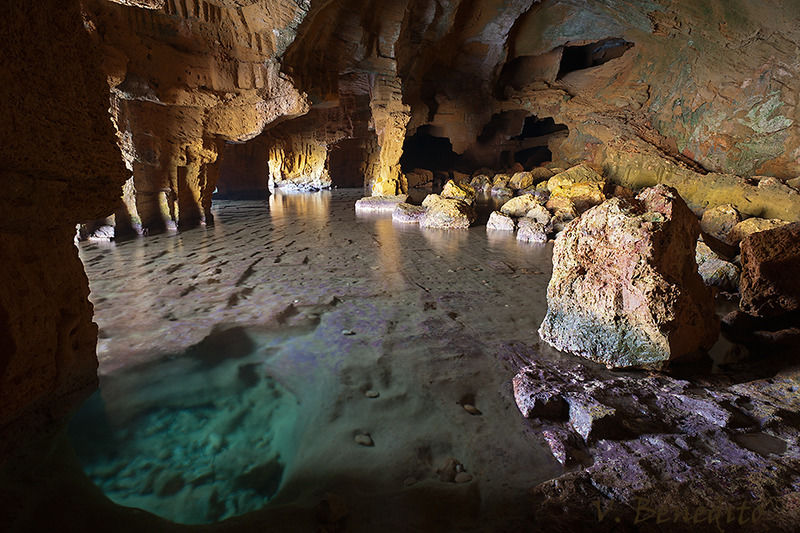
625,289
379,204
647,443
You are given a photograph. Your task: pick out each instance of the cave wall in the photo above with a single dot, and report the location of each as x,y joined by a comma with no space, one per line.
60,165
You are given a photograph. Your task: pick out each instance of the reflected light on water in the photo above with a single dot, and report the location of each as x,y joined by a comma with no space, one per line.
288,207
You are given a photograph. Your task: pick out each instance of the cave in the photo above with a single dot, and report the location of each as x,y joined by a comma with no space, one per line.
425,150
346,163
424,265
574,58
243,171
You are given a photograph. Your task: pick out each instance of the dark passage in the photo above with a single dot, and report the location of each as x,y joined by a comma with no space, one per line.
424,150
591,55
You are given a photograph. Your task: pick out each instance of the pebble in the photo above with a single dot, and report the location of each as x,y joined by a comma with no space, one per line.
372,394
471,409
364,440
348,332
463,477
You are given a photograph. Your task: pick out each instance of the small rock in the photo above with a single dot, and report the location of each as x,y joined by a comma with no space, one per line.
462,477
519,206
715,271
363,439
448,471
408,214
520,180
500,180
500,222
379,204
539,214
719,221
455,191
531,231
446,213
502,192
753,225
348,332
471,409
372,394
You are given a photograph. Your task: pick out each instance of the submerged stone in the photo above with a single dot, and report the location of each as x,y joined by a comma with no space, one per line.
408,214
379,204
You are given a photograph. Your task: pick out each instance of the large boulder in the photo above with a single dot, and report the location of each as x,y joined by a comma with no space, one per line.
625,290
446,213
770,282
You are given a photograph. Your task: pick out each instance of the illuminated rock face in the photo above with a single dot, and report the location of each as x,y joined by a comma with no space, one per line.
60,166
625,289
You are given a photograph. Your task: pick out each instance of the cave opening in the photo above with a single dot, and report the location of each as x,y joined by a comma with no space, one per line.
243,171
426,150
516,136
346,163
590,55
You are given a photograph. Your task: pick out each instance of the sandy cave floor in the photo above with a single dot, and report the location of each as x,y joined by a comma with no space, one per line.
239,363
305,308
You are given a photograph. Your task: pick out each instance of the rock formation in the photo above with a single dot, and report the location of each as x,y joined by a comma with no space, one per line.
61,166
770,282
625,289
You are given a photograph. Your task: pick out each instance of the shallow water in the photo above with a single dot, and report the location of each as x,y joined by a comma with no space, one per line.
235,362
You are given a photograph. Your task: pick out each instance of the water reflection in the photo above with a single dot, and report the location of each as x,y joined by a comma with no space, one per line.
288,207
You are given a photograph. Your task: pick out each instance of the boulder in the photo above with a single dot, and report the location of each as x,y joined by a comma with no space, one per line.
625,290
481,183
531,231
715,271
770,282
520,180
458,191
379,204
719,221
500,222
500,180
753,225
539,214
446,213
519,206
541,173
408,214
562,206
